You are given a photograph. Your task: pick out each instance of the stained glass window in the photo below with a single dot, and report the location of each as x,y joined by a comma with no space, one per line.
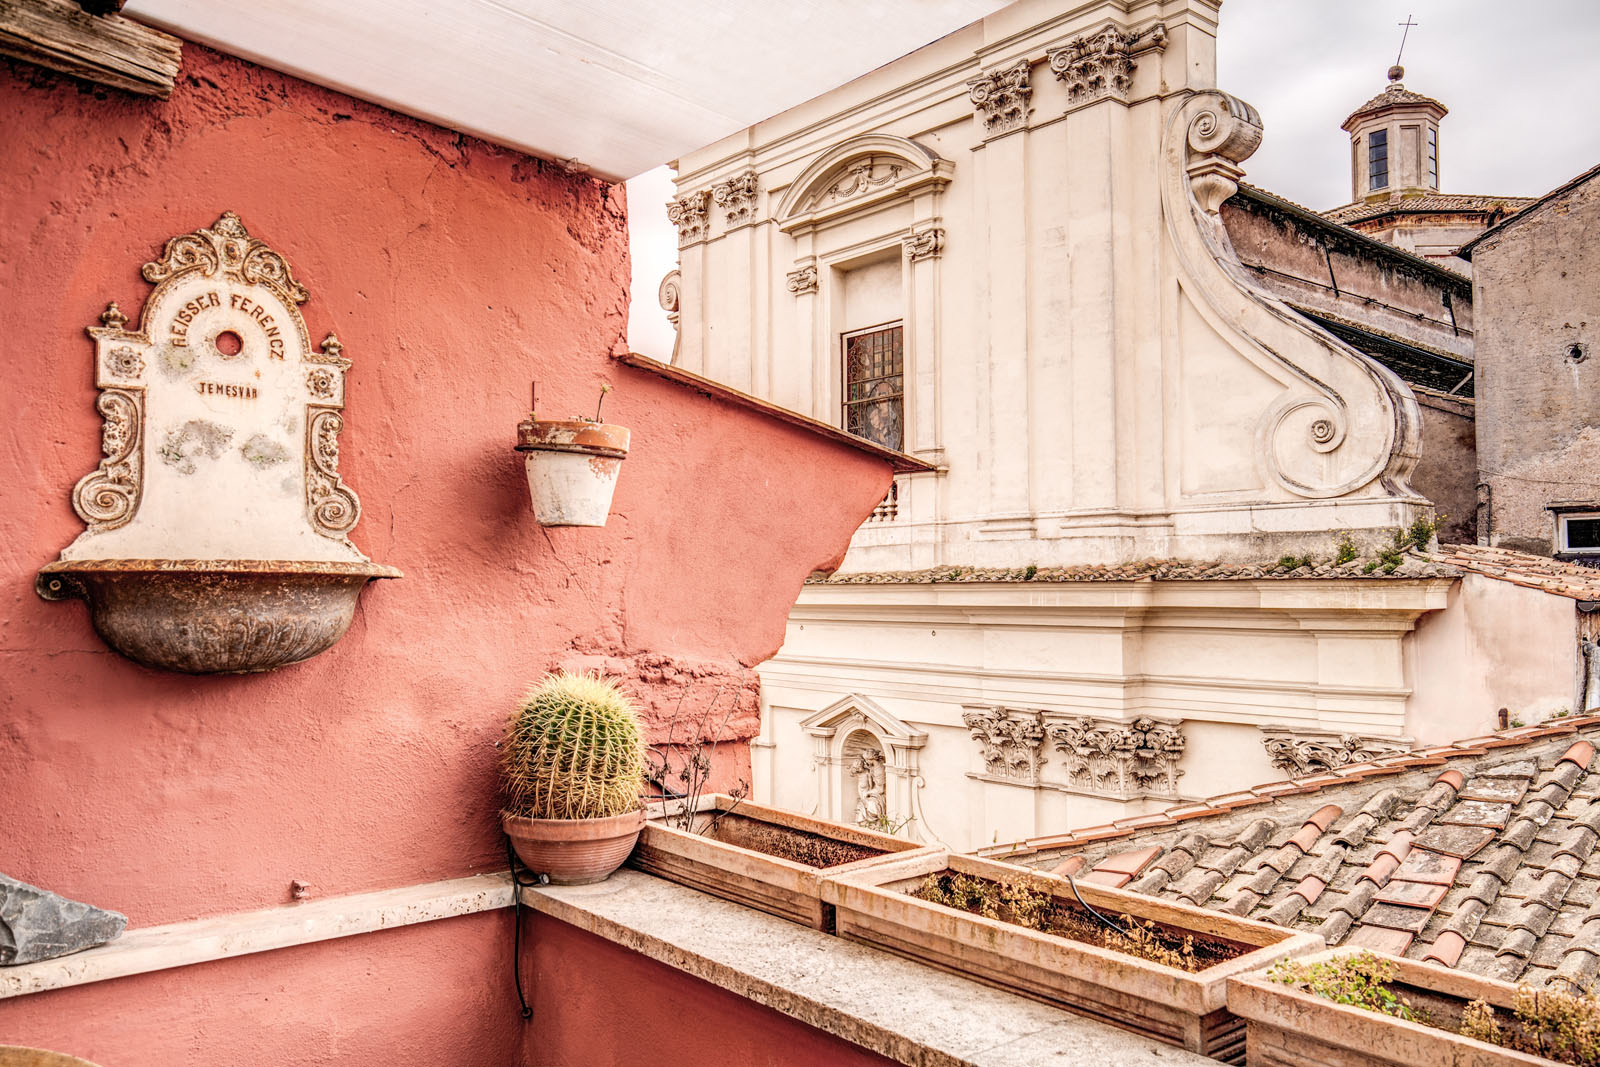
874,385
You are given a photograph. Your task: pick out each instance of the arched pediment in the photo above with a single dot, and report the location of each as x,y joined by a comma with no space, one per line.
857,173
855,712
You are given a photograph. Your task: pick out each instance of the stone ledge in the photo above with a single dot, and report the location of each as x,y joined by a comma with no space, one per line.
901,1010
157,948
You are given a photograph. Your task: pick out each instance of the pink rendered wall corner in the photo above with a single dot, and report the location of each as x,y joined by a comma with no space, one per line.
595,1002
453,272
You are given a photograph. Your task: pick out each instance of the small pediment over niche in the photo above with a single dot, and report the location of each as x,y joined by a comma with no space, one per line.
857,174
856,711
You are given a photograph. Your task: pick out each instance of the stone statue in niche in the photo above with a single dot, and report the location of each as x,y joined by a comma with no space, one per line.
217,522
867,766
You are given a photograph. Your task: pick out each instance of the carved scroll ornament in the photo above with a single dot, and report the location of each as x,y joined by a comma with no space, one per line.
690,213
803,280
1009,740
1122,758
1001,97
1300,754
737,197
1343,424
924,243
1102,64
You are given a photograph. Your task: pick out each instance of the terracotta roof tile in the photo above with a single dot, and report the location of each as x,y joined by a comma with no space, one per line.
1429,203
1571,580
1492,866
1415,566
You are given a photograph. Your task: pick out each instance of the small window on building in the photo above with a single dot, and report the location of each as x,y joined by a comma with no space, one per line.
1578,532
874,385
1378,159
1433,158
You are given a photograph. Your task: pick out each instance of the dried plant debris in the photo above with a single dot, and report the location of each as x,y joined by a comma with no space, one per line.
1560,1025
1021,904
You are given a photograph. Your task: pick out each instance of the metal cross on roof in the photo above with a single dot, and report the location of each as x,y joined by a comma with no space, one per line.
1407,24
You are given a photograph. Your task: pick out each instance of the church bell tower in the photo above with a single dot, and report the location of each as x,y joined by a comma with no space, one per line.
1394,143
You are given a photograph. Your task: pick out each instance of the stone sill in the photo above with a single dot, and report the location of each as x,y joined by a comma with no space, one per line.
904,1011
157,948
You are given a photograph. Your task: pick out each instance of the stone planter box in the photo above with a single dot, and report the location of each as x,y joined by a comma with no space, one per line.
1166,1003
1288,1027
726,863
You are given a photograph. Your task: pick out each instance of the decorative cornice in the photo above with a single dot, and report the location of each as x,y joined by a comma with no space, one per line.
1010,740
924,243
803,280
737,198
690,213
1001,97
1298,753
1102,64
1122,759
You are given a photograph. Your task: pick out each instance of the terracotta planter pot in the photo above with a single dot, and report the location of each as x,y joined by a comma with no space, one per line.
573,851
729,861
1288,1027
1182,1008
572,468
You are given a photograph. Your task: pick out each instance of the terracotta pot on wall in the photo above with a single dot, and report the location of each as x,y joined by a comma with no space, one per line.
572,468
574,851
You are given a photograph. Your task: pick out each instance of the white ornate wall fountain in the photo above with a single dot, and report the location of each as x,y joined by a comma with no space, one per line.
218,524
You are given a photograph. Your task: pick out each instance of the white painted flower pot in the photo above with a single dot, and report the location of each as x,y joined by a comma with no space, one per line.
572,468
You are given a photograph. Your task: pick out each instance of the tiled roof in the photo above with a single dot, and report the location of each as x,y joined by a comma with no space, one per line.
1425,204
1479,855
1523,568
1527,211
1394,95
1147,570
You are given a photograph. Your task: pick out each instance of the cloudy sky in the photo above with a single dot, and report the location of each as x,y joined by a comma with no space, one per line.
1518,77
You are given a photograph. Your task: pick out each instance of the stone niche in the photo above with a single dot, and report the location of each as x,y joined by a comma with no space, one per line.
218,526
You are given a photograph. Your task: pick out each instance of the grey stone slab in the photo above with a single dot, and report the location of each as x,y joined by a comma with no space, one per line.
36,924
902,1010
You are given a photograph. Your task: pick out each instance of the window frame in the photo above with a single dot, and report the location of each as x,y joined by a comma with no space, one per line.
845,403
1431,158
1373,185
1562,546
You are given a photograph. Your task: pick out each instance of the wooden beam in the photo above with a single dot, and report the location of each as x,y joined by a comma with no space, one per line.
106,49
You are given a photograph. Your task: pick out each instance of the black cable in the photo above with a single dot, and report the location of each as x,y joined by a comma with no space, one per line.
1073,882
516,912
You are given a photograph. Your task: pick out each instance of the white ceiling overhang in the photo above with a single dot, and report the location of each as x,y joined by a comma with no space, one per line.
619,86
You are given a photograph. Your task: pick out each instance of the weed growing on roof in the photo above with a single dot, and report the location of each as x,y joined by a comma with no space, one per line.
1361,980
1417,535
1031,571
1294,563
1347,551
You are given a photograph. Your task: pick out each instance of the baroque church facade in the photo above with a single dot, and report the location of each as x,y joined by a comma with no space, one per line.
1156,547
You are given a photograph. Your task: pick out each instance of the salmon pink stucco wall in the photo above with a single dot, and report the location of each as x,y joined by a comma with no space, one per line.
454,272
434,993
595,1002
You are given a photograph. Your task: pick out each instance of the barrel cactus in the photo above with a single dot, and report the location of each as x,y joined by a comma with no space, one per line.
573,750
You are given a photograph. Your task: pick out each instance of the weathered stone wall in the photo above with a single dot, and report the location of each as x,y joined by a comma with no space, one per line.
1315,266
1538,355
1447,472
